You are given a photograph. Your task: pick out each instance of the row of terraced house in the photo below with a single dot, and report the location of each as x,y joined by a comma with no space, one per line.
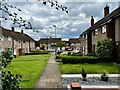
107,27
18,42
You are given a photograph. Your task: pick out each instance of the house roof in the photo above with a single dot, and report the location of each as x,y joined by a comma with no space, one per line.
74,40
15,35
50,40
104,20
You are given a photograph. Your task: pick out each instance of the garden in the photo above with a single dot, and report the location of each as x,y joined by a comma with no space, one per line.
25,70
99,62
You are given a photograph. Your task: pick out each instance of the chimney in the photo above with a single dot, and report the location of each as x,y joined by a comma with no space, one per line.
12,29
92,20
106,11
22,31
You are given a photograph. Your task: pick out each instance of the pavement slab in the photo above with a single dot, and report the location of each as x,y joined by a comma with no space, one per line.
50,78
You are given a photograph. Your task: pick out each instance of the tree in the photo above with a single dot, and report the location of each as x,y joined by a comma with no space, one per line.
37,43
43,47
104,48
9,80
60,44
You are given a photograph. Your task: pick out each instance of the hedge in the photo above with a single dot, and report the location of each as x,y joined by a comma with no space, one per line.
35,52
79,59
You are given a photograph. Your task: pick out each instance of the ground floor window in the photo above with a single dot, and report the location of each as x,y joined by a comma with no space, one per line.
86,50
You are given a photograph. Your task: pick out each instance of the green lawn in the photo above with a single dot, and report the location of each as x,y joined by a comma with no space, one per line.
98,68
30,67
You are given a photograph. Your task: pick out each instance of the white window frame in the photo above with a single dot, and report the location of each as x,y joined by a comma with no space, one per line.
103,29
86,36
83,37
96,32
83,50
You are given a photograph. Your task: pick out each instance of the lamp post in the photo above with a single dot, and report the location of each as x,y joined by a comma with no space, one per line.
55,30
55,38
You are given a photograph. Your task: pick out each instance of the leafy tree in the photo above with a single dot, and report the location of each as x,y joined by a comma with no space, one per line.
60,44
104,48
37,43
43,47
9,80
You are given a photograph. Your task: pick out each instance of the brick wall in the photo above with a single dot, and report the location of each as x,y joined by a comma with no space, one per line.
117,38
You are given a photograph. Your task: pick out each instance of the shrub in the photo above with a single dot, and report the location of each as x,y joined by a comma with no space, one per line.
91,54
64,54
78,59
104,48
35,52
9,81
57,57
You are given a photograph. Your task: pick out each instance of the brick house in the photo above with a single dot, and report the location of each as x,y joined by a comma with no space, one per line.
19,43
49,43
107,27
75,43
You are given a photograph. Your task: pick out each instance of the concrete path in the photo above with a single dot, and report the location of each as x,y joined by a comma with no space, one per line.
51,75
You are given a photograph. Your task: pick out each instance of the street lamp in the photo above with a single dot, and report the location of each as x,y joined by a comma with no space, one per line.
55,38
55,30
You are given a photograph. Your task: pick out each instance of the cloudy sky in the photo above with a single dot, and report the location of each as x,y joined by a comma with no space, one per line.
43,17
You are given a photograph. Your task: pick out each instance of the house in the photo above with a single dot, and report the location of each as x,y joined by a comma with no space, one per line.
107,27
19,43
74,42
50,43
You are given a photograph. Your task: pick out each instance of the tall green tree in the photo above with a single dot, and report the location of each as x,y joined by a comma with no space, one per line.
60,44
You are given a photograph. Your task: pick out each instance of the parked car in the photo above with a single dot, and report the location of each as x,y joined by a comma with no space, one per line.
59,52
77,51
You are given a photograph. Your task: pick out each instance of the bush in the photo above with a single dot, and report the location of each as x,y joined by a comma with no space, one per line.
57,57
9,81
78,59
104,48
64,54
35,52
91,54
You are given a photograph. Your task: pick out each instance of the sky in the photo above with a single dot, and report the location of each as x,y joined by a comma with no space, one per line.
71,25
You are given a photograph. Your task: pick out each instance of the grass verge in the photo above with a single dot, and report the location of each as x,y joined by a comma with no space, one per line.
30,67
97,68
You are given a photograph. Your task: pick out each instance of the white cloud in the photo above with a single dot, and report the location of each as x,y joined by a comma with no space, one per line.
72,24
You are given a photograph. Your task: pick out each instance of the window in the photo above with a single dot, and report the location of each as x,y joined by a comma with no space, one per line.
9,38
82,37
23,41
83,50
95,32
103,29
86,50
86,36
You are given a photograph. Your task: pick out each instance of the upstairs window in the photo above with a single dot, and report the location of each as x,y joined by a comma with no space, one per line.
83,37
86,36
95,32
103,30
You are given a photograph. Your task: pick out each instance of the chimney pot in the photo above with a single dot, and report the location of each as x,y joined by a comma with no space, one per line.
22,31
92,20
12,29
106,11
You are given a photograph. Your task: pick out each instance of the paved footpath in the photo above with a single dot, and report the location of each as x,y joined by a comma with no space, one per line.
50,78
